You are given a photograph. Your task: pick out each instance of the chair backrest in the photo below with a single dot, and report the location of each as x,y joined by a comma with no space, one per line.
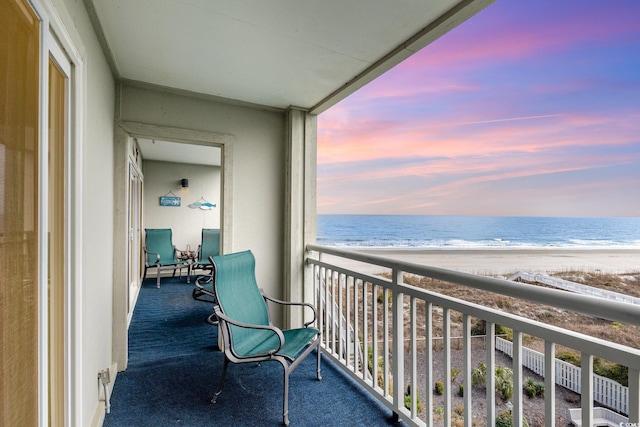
159,240
210,244
239,297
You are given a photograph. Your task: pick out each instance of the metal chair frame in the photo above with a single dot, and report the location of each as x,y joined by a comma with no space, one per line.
287,347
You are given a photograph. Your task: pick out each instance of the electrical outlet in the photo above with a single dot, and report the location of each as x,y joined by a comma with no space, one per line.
104,376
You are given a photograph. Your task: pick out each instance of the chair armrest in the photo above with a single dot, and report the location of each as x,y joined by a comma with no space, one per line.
228,321
303,304
147,253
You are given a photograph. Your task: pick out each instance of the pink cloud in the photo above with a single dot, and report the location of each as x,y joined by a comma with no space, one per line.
365,140
526,38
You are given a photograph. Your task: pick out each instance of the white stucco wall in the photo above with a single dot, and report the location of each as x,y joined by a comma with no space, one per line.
186,223
258,166
95,283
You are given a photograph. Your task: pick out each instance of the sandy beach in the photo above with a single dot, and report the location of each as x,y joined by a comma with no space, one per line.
502,262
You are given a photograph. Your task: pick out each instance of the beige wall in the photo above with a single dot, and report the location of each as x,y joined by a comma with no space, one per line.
185,223
257,199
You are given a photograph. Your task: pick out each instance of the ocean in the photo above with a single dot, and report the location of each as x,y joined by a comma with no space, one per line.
476,232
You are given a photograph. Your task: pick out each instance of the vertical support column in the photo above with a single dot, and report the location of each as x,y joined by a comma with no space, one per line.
300,208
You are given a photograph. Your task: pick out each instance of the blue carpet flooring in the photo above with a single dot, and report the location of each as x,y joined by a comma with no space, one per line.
174,368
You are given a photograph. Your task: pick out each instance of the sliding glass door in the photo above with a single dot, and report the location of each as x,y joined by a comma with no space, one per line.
19,207
34,221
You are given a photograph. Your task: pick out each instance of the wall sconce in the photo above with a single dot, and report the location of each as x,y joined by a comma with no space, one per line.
184,183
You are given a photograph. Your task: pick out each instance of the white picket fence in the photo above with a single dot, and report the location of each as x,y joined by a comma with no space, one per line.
574,287
605,391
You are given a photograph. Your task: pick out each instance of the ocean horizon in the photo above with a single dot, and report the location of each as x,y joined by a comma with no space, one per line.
352,231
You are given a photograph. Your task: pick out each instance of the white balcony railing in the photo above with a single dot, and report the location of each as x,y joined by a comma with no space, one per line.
372,328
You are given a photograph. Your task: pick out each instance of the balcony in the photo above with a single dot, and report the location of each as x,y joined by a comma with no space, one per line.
368,318
174,363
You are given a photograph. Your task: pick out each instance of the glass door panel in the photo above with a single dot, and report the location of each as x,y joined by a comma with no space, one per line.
19,263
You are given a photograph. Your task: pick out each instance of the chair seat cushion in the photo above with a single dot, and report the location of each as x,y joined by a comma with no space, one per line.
295,340
263,342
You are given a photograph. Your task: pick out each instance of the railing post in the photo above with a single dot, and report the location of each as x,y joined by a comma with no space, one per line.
338,319
414,358
429,365
634,395
327,307
549,382
517,378
466,370
365,330
398,343
586,389
446,347
386,349
490,373
374,338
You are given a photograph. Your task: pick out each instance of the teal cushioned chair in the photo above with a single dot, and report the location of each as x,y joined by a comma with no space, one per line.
209,247
160,252
248,336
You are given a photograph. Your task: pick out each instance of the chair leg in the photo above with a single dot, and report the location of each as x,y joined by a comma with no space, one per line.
318,367
158,278
285,408
221,383
212,319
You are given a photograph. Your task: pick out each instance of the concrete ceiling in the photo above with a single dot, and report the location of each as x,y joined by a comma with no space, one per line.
275,53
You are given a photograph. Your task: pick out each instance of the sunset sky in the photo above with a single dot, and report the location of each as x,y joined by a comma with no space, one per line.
532,107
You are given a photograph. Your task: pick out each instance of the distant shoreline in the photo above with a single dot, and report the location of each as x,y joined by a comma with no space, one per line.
500,261
407,249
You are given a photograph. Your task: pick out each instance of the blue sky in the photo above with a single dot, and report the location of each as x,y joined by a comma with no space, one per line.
532,107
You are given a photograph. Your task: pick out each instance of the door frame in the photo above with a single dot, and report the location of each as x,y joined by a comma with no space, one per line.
135,225
125,132
57,42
